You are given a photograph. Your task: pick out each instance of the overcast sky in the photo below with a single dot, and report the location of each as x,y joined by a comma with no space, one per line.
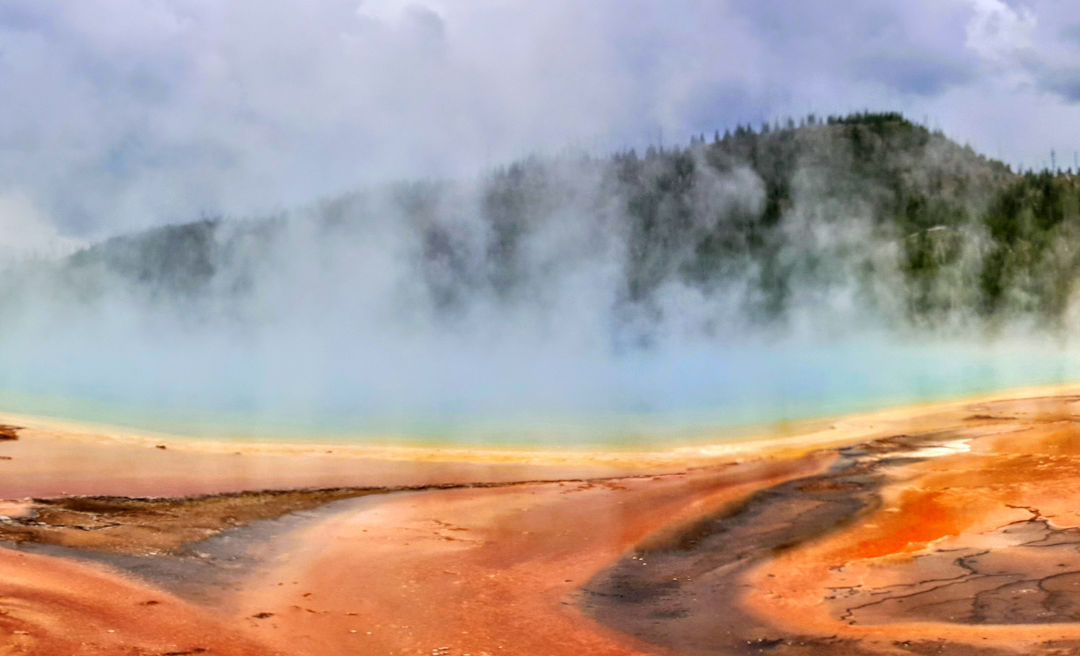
119,114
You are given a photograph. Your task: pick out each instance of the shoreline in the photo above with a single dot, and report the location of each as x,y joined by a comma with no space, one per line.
475,550
783,438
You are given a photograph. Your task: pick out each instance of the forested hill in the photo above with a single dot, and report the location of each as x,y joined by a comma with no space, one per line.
868,216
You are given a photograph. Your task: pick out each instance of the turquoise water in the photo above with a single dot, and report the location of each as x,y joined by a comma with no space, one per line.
647,399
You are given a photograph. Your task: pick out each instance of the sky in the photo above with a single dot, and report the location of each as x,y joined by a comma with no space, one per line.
119,115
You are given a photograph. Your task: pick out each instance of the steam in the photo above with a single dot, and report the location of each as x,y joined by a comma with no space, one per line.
524,305
31,234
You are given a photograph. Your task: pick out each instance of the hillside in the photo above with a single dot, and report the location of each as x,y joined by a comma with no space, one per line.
868,216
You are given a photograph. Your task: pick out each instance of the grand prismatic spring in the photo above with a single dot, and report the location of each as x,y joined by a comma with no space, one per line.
519,328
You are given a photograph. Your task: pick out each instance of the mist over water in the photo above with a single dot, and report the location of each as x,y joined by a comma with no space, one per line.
557,398
572,301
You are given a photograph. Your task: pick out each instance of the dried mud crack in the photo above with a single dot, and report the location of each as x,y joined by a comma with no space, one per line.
1032,576
682,591
890,551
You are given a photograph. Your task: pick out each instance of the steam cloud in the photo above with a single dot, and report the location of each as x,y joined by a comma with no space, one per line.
528,304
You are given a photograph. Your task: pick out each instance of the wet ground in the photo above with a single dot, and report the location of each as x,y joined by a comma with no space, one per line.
683,592
202,569
959,536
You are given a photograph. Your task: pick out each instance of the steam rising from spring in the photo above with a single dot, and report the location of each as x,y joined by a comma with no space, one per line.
567,300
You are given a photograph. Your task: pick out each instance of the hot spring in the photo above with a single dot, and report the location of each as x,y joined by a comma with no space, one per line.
656,398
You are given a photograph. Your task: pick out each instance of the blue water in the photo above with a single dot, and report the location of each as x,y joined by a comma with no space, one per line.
660,398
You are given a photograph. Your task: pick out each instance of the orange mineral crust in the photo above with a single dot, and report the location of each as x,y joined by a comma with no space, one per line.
946,529
979,548
477,571
49,607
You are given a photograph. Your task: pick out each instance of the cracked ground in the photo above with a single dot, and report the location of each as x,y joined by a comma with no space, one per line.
1030,576
957,541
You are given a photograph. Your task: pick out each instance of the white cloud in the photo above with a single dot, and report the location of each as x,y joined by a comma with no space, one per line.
133,115
998,31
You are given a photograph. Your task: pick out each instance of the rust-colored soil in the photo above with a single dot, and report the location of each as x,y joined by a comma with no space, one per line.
951,531
980,550
478,571
49,607
151,526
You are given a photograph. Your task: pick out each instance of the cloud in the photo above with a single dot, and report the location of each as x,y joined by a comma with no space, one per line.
129,116
1062,82
915,73
1026,47
998,31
